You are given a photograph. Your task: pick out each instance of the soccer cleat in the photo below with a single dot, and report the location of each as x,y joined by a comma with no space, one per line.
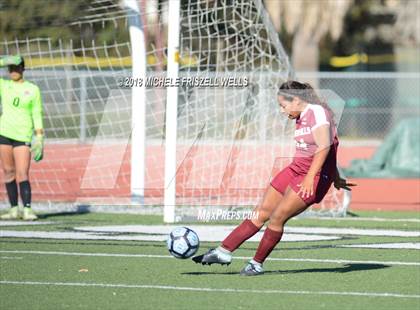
29,214
13,214
214,256
252,268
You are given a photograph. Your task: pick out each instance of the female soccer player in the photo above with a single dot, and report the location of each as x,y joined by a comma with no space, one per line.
304,182
21,118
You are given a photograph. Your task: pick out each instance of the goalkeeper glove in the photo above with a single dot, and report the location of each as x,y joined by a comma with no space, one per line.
10,60
38,147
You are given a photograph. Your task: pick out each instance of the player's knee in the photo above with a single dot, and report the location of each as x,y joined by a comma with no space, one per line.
276,223
21,175
264,212
9,173
278,219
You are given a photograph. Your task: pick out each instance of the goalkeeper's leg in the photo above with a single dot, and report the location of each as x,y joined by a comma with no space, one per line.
8,165
22,157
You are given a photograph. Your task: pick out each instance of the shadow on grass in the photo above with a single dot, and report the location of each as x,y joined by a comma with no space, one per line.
342,269
79,211
251,247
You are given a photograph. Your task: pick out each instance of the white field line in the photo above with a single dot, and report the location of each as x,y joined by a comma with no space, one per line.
223,230
10,257
314,260
396,245
145,233
208,289
5,223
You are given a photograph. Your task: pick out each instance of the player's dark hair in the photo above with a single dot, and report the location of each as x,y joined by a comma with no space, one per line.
304,91
22,63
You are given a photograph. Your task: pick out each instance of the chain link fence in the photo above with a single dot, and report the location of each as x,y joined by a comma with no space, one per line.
375,102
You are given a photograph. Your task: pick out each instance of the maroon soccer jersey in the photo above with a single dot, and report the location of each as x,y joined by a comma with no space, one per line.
311,118
293,175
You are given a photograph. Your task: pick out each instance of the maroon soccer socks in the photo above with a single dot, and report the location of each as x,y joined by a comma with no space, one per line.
239,235
245,231
267,244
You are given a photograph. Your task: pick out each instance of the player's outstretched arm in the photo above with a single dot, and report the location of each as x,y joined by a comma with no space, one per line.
10,60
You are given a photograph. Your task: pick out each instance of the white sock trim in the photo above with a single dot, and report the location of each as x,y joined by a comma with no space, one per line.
223,250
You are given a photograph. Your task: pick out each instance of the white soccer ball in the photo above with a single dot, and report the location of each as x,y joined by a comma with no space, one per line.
183,242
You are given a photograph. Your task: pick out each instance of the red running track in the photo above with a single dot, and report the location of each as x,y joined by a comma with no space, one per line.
63,175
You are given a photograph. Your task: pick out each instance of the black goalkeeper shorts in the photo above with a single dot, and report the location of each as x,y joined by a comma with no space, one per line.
13,143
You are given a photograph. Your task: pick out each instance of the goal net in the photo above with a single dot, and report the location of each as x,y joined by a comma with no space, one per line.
197,146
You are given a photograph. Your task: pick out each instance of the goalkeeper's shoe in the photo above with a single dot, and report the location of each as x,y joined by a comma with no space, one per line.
29,214
252,268
214,256
13,214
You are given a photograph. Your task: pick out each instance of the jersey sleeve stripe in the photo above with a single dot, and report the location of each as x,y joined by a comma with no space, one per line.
320,116
319,125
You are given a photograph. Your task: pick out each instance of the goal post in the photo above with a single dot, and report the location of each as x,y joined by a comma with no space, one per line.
138,101
171,112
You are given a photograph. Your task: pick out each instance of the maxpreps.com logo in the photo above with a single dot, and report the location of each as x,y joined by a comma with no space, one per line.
226,215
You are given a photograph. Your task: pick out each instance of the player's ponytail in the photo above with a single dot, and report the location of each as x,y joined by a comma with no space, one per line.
305,92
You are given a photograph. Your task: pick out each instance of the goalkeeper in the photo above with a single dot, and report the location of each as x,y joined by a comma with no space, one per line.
20,124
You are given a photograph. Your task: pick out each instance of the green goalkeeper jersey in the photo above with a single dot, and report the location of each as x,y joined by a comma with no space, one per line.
22,110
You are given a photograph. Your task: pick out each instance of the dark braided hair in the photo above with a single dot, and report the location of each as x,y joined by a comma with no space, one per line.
304,91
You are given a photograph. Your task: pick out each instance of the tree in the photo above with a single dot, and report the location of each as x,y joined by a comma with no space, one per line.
407,25
21,19
58,20
308,21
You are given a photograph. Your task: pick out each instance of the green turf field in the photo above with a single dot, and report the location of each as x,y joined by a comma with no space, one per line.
44,273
